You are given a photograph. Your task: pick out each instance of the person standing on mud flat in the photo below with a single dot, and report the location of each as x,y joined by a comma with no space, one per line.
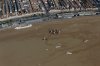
57,31
44,38
51,31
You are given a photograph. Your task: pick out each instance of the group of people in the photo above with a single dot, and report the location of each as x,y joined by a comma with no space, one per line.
54,31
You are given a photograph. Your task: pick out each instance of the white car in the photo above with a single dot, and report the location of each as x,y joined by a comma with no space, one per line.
68,15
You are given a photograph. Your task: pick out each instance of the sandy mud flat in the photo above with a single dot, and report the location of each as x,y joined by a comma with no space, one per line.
78,44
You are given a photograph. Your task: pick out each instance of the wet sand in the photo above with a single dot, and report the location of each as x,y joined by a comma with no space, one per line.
25,47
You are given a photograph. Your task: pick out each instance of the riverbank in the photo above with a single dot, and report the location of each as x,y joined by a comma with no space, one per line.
79,36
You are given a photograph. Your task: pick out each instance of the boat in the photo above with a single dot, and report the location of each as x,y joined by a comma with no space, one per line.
23,27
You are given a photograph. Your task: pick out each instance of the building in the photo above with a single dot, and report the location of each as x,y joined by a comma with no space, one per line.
19,7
